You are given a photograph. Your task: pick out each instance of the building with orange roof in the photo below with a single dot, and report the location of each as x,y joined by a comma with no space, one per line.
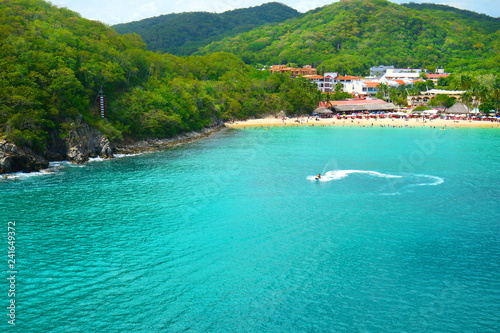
295,72
326,83
358,86
348,78
436,77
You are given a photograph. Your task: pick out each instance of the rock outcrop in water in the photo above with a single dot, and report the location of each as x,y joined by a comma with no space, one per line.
81,143
14,159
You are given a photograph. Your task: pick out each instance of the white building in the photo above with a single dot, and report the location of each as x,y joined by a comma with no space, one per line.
326,83
379,70
361,88
349,83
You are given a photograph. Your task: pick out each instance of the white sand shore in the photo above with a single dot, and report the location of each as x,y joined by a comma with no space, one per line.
386,122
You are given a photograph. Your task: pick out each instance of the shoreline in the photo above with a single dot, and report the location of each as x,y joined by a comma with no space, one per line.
152,145
382,122
126,148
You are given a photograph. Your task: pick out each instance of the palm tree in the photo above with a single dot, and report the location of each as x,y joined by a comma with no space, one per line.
327,99
479,93
466,82
339,87
496,92
393,94
383,89
466,99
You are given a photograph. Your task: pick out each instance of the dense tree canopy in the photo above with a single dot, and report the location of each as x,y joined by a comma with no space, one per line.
53,64
185,33
350,36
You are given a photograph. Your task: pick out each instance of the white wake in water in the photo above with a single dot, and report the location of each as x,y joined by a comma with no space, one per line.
395,184
436,180
341,174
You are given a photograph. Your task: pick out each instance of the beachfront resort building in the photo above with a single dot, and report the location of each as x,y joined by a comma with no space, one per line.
359,105
426,96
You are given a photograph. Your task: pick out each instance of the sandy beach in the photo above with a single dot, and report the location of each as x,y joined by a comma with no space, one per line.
384,122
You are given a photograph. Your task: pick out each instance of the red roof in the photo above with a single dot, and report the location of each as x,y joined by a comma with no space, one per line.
354,102
348,77
372,84
314,77
437,76
400,82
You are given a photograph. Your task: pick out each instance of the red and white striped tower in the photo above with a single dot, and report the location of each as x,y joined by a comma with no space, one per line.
102,105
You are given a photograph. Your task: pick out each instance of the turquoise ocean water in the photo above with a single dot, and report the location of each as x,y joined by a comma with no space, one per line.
233,234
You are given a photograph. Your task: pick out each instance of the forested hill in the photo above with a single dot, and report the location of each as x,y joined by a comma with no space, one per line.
465,14
185,33
350,36
53,64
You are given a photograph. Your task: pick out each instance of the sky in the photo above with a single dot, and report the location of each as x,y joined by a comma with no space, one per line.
122,11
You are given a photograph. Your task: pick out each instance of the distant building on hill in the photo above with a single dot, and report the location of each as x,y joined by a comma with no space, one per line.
401,74
435,77
440,70
379,70
295,72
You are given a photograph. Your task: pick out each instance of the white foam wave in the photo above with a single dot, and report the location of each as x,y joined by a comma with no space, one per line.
53,168
127,155
59,165
341,174
24,175
96,159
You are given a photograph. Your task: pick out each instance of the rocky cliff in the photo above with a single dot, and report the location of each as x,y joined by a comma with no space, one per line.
81,143
14,159
84,141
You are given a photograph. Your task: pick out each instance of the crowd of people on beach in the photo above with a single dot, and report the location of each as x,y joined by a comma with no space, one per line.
365,119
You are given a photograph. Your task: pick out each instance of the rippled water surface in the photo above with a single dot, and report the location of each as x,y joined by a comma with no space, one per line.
234,234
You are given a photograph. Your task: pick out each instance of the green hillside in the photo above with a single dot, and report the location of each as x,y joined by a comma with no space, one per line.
185,33
53,63
350,36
